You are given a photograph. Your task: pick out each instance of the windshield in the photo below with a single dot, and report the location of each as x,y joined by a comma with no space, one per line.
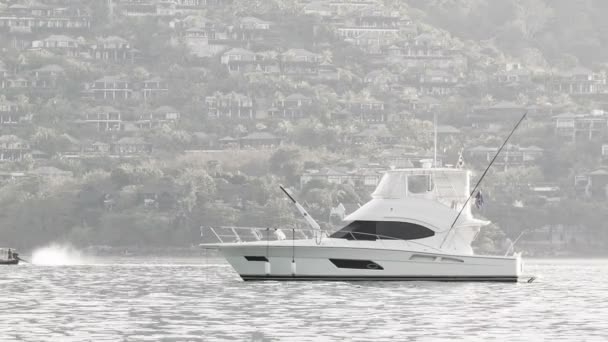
383,230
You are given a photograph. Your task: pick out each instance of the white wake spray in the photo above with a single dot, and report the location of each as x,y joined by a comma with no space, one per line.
58,254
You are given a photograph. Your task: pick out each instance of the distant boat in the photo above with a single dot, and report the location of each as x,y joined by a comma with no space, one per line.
8,256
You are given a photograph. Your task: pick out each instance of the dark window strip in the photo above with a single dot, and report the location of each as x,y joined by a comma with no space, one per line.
256,258
385,230
356,264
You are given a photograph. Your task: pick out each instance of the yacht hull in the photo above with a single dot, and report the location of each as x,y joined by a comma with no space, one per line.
258,262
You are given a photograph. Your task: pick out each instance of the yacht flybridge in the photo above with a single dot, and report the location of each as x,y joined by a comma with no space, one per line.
417,226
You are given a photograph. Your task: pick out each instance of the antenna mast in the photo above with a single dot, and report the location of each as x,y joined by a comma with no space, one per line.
435,140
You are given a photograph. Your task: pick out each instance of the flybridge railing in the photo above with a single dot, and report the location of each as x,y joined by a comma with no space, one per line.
444,187
229,234
226,234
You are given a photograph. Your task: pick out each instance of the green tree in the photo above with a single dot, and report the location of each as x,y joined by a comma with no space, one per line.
287,164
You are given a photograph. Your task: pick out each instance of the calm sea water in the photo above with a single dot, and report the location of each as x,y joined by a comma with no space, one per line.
204,300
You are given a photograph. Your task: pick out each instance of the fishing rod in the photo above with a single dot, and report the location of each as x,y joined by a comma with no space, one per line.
482,177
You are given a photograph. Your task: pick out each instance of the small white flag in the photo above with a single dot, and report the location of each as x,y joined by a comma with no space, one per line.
460,163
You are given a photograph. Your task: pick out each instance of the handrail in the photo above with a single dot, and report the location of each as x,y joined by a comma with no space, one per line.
352,234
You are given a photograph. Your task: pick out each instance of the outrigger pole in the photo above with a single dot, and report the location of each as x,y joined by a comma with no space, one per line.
311,222
482,177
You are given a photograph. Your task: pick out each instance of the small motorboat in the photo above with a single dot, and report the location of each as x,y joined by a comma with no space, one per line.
8,256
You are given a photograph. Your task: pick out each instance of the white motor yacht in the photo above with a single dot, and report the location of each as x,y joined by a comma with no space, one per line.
417,226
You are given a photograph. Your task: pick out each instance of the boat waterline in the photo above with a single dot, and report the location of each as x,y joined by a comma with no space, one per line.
258,262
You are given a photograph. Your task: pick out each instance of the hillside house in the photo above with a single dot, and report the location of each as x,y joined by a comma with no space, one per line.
165,115
154,87
60,44
234,57
370,29
197,41
422,104
11,113
130,146
112,49
290,107
17,82
104,119
13,149
381,78
251,29
343,8
112,88
426,51
366,109
375,134
327,71
228,142
231,105
242,60
35,17
512,155
135,8
513,74
578,81
97,148
437,83
47,77
581,127
497,113
300,62
319,8
198,3
259,140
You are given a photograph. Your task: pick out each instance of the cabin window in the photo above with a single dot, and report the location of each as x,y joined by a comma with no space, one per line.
356,264
418,184
384,230
256,258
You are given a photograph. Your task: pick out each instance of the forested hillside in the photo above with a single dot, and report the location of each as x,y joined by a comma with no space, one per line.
557,33
140,123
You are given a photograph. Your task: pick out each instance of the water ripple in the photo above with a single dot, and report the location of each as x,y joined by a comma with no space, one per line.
129,300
